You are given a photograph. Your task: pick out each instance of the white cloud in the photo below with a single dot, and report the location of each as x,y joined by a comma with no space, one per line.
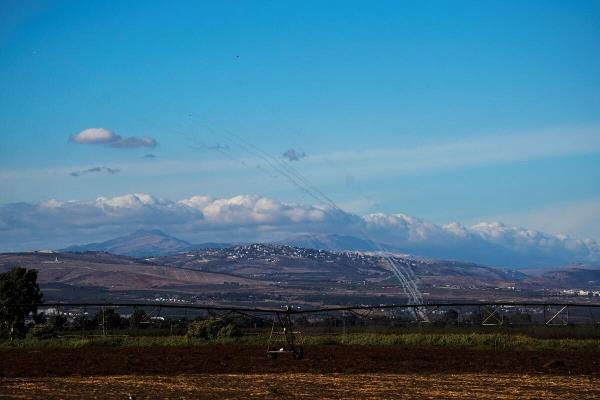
130,201
57,223
94,136
571,217
67,220
485,242
109,138
254,210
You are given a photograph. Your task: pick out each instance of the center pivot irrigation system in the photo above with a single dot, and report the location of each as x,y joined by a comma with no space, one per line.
284,340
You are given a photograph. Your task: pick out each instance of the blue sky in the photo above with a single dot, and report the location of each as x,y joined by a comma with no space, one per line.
449,111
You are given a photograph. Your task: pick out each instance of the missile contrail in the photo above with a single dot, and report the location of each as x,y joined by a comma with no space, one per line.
404,275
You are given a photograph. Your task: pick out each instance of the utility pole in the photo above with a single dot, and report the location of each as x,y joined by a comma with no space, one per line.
344,329
83,322
103,323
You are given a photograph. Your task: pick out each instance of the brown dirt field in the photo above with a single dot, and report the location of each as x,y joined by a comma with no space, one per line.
305,386
232,359
334,372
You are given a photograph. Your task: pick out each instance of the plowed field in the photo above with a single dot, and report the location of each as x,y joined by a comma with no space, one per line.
305,386
336,372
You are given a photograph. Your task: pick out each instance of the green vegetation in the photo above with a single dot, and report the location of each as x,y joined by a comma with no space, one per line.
494,341
42,332
273,388
123,341
533,331
139,329
18,288
213,328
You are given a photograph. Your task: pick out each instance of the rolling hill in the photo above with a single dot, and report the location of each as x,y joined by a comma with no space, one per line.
255,273
99,272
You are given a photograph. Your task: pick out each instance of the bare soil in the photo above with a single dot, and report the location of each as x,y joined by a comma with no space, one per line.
232,359
333,372
305,386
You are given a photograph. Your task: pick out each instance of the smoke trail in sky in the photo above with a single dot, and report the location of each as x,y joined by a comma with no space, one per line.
404,275
284,169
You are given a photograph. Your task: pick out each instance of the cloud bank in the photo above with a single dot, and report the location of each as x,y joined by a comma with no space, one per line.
251,218
109,138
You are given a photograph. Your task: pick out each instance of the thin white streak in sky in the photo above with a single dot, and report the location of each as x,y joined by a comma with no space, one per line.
375,162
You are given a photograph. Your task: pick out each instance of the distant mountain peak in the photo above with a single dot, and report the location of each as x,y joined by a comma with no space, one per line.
148,232
143,243
139,243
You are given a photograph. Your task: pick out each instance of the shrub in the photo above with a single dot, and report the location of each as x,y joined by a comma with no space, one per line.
57,321
137,318
213,328
230,330
109,317
273,388
42,331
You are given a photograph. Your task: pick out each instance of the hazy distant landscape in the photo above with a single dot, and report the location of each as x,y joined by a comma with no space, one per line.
149,265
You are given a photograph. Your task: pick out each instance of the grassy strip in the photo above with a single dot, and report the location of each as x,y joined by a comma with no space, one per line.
122,341
495,341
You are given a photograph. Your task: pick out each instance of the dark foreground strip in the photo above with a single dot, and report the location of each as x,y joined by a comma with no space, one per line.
319,359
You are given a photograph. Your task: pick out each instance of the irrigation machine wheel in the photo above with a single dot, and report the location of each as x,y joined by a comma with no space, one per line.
298,353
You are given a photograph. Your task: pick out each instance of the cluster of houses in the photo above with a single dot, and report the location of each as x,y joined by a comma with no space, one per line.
580,292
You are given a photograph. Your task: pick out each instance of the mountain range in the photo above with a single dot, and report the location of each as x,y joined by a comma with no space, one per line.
145,243
259,273
142,243
167,250
156,243
307,270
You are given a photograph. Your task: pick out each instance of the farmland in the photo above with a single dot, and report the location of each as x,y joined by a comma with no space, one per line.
536,339
332,371
305,386
141,345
